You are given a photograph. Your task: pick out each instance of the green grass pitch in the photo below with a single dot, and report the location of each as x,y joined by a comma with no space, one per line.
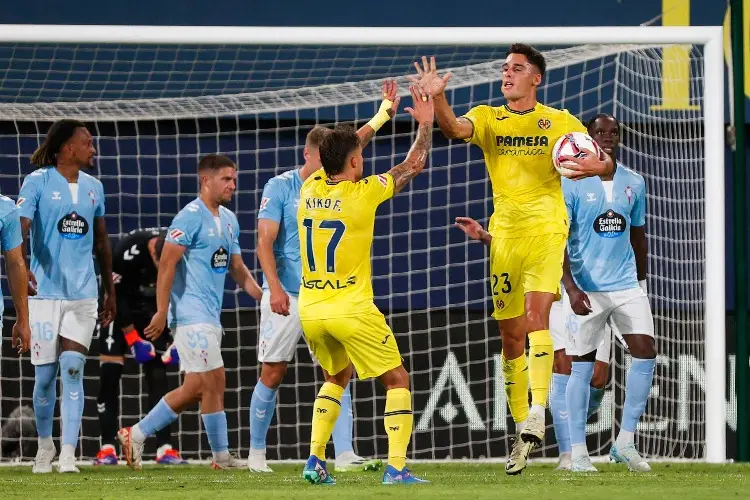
454,481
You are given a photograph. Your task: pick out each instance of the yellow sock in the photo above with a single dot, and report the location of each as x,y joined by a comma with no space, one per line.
325,412
540,365
398,421
517,387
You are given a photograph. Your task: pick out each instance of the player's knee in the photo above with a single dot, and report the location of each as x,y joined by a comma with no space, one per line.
514,343
272,374
214,382
397,378
585,358
561,363
642,346
535,321
599,379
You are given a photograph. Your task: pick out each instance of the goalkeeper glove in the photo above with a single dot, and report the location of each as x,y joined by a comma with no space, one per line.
142,350
170,356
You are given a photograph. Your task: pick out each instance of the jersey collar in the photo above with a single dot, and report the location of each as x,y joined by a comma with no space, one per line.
525,112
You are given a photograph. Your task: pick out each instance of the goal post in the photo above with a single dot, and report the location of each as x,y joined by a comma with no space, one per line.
279,102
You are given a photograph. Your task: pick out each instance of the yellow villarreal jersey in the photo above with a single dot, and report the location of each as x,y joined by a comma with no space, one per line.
336,222
517,146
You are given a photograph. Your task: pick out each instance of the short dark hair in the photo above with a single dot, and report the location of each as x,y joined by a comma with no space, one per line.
160,239
315,137
215,162
534,56
602,115
57,135
336,148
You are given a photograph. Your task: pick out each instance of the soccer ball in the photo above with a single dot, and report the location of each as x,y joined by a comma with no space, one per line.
577,145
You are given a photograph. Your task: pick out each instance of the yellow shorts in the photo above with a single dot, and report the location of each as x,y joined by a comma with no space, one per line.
521,265
365,339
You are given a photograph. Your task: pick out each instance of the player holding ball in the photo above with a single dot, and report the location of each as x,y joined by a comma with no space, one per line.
529,225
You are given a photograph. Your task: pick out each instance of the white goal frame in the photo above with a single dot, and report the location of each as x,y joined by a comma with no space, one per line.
710,37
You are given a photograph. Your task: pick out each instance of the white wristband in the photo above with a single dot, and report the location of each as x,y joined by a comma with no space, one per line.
642,284
382,116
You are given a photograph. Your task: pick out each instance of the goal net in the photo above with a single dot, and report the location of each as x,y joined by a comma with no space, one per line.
156,109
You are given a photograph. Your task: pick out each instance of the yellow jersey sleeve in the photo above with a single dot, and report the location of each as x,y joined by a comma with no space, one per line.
481,118
377,188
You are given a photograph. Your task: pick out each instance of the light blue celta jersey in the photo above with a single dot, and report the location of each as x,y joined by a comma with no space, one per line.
601,257
10,230
62,232
279,203
209,243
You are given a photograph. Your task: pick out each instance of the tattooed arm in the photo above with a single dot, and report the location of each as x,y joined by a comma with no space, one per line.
424,113
415,160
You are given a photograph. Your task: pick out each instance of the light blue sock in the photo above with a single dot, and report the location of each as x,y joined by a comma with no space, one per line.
344,428
637,389
595,400
577,400
262,407
45,397
559,410
71,405
158,418
216,430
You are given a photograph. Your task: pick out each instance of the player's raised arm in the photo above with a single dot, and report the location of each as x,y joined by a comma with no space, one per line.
424,113
243,277
434,85
473,230
387,110
170,256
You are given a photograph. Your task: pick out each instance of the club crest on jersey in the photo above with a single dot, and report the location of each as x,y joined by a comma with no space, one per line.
544,123
629,193
220,261
73,227
263,203
175,234
610,224
92,195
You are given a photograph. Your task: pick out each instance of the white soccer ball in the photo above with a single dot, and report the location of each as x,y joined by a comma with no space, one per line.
577,145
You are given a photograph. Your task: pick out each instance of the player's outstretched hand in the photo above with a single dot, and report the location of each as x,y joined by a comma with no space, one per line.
390,91
280,302
32,282
472,228
427,77
423,110
154,329
109,309
587,166
21,337
579,302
